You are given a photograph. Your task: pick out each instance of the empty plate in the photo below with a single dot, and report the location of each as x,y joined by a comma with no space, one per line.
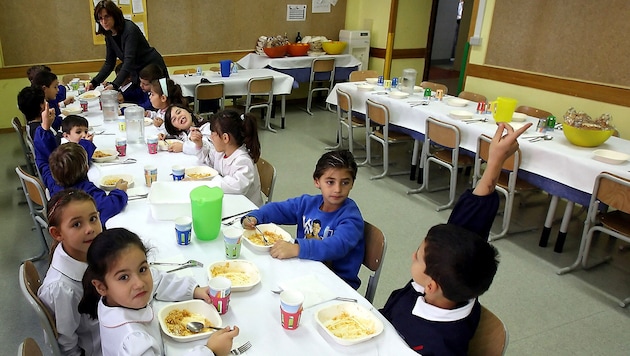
457,102
398,94
460,114
610,157
519,117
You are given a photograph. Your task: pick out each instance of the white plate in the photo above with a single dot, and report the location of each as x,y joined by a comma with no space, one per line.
519,117
200,173
195,306
108,182
398,94
243,274
371,80
90,95
112,154
72,110
610,157
358,313
457,102
365,87
460,114
148,122
248,234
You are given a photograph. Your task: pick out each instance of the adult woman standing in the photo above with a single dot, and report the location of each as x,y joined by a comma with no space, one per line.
124,40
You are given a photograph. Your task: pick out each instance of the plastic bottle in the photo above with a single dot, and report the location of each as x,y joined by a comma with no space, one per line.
199,72
206,205
298,38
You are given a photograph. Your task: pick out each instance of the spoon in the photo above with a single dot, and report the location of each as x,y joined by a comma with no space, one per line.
196,326
540,138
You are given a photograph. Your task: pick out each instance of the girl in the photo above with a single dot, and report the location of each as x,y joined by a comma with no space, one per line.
164,92
234,151
119,286
73,223
179,122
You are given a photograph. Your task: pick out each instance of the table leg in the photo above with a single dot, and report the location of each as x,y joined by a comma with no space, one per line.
562,234
283,104
414,160
544,236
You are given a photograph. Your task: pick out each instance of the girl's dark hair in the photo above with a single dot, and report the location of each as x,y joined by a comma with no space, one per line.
58,203
44,78
112,10
68,164
243,128
102,253
168,125
174,96
336,159
151,72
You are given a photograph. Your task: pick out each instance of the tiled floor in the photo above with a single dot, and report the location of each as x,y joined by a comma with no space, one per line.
545,314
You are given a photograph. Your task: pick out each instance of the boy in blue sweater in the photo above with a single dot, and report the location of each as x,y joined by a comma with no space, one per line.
329,225
437,312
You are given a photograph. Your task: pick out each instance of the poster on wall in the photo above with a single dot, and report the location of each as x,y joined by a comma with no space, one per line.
134,10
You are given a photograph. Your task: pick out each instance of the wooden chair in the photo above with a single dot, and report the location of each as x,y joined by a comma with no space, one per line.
185,71
36,198
208,91
446,138
434,86
260,96
375,247
29,284
267,173
29,155
67,78
361,75
29,347
468,95
382,133
491,337
215,69
614,192
322,70
533,112
507,184
346,119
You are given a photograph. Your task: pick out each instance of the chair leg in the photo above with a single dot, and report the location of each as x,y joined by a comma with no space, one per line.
385,162
587,231
339,138
268,121
368,148
451,190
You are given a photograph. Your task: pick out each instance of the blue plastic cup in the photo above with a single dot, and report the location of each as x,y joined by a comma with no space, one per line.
183,230
226,67
178,172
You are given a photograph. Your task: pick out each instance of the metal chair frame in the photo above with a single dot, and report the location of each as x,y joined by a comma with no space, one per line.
209,91
36,198
262,86
347,120
320,65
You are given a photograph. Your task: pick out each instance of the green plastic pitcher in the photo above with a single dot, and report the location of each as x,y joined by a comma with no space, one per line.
206,204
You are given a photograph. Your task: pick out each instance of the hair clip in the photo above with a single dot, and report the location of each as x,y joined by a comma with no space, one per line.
242,117
164,87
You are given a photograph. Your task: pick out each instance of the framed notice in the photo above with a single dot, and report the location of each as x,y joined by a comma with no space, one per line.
134,10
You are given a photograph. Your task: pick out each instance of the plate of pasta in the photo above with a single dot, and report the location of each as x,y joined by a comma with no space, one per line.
200,173
174,317
109,182
273,233
349,323
104,155
243,274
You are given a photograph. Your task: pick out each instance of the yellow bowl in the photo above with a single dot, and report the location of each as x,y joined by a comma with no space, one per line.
585,137
333,47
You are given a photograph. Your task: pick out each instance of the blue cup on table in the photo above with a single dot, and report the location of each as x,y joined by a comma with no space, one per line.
183,229
178,172
226,67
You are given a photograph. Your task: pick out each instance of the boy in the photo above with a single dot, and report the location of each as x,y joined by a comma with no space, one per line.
437,312
50,85
75,129
128,91
61,94
341,244
31,103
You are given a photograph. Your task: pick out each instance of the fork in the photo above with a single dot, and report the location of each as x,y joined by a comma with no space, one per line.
261,233
239,350
191,263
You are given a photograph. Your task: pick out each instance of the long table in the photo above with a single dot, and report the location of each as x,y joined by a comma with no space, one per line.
236,83
256,311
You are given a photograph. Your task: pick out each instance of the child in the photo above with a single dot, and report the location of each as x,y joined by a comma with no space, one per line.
73,222
180,122
50,84
437,312
129,92
31,103
342,241
120,288
234,151
147,75
75,129
164,92
61,94
66,166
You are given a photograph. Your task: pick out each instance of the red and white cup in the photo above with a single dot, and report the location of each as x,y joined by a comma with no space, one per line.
291,308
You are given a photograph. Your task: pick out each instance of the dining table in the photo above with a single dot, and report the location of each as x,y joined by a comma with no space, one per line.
236,84
554,165
256,311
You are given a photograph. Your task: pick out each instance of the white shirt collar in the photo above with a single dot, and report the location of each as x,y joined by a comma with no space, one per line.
67,265
430,312
113,317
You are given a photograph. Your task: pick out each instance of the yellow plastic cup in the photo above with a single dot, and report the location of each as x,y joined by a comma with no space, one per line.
503,109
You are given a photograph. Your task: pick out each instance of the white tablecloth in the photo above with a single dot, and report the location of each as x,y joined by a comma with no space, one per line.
236,83
254,61
557,160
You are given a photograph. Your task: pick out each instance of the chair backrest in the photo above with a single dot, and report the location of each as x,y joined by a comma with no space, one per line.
34,191
533,112
209,91
375,247
321,65
29,284
344,100
29,347
434,86
491,336
613,191
378,113
260,86
67,78
185,71
361,75
511,164
468,95
28,152
215,69
442,133
267,173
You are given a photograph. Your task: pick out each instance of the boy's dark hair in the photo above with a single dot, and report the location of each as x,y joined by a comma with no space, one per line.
68,164
168,125
29,101
103,251
112,10
336,159
242,128
71,121
151,72
461,262
44,78
33,70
